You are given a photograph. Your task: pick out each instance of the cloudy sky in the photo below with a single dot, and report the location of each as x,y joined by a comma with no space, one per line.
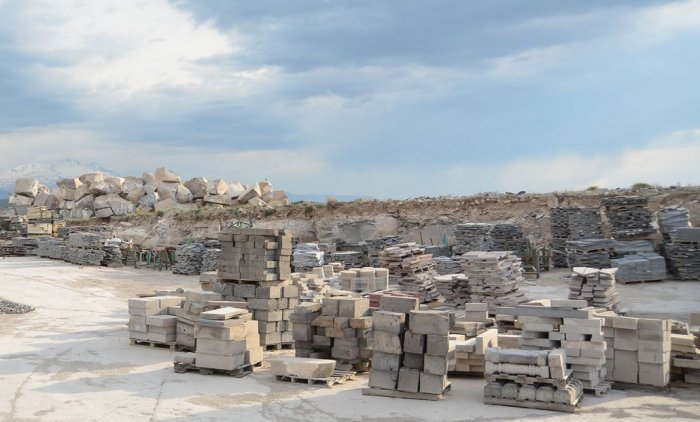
381,98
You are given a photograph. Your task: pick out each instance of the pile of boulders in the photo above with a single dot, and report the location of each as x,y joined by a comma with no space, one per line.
102,196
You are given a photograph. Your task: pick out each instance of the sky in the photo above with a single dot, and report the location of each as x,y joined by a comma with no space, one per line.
383,98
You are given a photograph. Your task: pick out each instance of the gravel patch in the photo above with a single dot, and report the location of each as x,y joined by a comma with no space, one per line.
8,307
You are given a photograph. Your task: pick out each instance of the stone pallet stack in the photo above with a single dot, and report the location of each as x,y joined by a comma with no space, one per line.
474,322
454,288
113,254
473,237
509,237
629,217
437,250
638,350
411,268
412,349
374,298
671,219
447,265
632,247
684,254
227,339
640,267
255,255
51,248
494,277
685,355
596,287
349,259
339,328
210,260
307,256
153,319
189,259
568,324
189,312
272,304
528,378
377,245
366,279
592,253
469,353
85,249
312,288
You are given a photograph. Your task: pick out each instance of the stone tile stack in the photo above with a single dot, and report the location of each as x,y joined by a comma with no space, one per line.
227,339
530,378
640,267
85,249
377,245
671,219
447,265
210,259
189,312
349,259
592,253
638,350
509,237
153,319
255,255
339,329
366,279
684,254
189,258
572,224
411,348
629,217
473,237
53,248
494,277
454,288
113,253
469,353
596,287
307,256
272,304
311,287
411,268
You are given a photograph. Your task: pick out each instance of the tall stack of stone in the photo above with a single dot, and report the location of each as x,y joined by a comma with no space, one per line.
365,279
375,246
307,256
671,219
85,249
684,254
454,288
447,265
592,253
227,339
312,287
189,312
509,237
685,355
572,224
152,319
113,253
411,349
189,258
596,287
473,237
411,268
255,255
629,217
494,277
210,259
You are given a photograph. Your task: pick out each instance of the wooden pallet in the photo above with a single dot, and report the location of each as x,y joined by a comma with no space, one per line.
460,374
524,379
617,385
153,344
278,346
337,377
598,390
557,407
639,281
395,394
240,372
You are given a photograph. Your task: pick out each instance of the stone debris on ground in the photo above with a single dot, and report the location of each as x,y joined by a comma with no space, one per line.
640,267
473,237
684,254
411,268
494,278
592,253
307,256
596,287
364,280
153,319
9,307
629,217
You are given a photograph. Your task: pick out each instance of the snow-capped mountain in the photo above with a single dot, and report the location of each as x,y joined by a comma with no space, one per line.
47,173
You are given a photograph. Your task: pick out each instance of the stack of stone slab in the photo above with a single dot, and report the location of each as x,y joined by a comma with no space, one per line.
272,304
671,219
366,279
307,256
113,254
412,350
374,298
685,355
312,287
592,253
572,224
469,353
340,328
570,324
596,287
437,250
377,245
189,312
349,259
189,259
509,237
153,319
494,277
411,268
53,248
255,254
85,249
454,288
447,265
210,259
639,268
531,378
473,237
227,339
638,350
629,217
474,322
632,247
684,254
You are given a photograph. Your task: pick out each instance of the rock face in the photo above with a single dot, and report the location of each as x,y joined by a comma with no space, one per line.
27,187
301,367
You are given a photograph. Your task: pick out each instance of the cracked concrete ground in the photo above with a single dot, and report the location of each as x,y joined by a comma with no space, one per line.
71,360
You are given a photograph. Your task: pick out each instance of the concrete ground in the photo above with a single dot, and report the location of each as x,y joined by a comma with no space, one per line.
71,360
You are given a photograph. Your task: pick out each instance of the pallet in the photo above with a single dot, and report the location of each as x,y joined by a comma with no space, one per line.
172,346
617,385
278,346
638,281
337,377
598,390
524,379
557,407
395,394
458,374
240,372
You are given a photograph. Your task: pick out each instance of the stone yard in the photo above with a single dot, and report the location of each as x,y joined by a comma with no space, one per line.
70,359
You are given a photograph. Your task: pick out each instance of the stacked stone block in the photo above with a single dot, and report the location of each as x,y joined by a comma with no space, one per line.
473,237
629,217
596,287
592,253
365,279
470,353
255,255
189,312
640,267
307,256
84,249
152,319
272,305
227,339
494,277
685,355
411,268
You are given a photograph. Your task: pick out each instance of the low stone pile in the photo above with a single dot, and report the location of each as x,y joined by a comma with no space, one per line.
411,268
84,249
597,287
447,265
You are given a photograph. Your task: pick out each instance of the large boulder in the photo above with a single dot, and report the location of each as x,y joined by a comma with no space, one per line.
71,183
87,202
46,200
59,193
116,183
265,190
26,187
149,178
119,205
135,195
217,187
100,188
20,200
66,204
183,195
91,178
257,202
250,193
77,193
150,187
217,199
104,213
132,183
167,190
100,202
79,213
165,175
198,187
235,189
148,201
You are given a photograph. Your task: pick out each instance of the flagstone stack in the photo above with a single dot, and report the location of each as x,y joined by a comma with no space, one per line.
255,255
227,339
447,265
377,245
671,219
84,249
591,253
454,288
153,319
365,279
307,256
509,237
189,259
640,267
494,277
572,224
411,268
629,217
684,254
596,287
473,237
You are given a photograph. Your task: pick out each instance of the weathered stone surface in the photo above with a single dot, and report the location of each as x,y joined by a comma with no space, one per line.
73,183
165,175
27,187
250,193
91,178
301,367
167,190
135,195
67,205
20,200
46,200
217,187
257,202
235,189
104,213
183,195
149,178
217,199
429,322
265,190
197,186
149,200
119,205
132,183
79,213
116,183
165,205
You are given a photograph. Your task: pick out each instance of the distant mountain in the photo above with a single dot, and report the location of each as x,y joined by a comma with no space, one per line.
47,173
321,198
